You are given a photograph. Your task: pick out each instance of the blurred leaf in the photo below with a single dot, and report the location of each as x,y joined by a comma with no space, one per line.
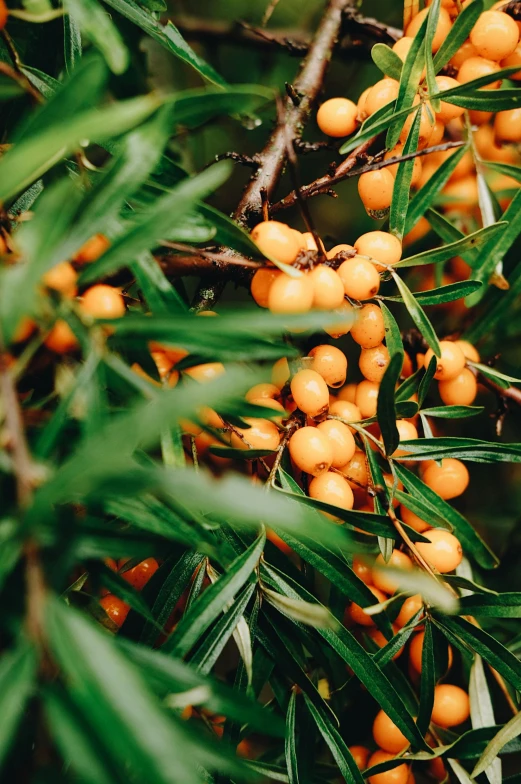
463,448
17,681
291,743
495,375
157,290
448,293
98,27
503,605
418,316
190,108
387,61
308,613
341,754
433,591
506,734
229,233
386,409
115,583
458,34
482,711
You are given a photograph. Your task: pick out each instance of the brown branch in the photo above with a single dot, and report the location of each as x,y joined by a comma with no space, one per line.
365,25
511,393
14,72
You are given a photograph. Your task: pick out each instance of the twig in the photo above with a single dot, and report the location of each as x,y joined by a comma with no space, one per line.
511,393
293,424
15,73
215,258
365,25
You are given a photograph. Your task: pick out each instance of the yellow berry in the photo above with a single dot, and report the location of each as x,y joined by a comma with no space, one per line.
387,735
411,519
360,755
470,352
407,432
357,613
460,390
360,278
375,189
310,392
92,249
331,363
61,339
290,295
475,68
377,637
331,488
346,410
444,552
380,94
262,391
337,117
103,302
448,111
427,122
367,397
373,362
442,28
369,329
328,289
495,35
311,451
261,284
449,480
209,371
347,392
507,125
397,152
62,277
511,60
262,434
380,245
451,362
341,440
276,240
340,249
345,315
280,373
362,570
356,470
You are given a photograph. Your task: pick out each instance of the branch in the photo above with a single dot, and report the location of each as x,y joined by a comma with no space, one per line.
15,73
365,25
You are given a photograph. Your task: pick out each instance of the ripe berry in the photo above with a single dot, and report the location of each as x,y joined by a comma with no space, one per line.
265,391
407,432
408,610
356,470
62,277
61,339
466,50
448,111
361,105
92,249
103,302
276,240
411,519
328,289
360,755
402,46
416,652
331,363
444,553
341,440
468,349
427,122
397,152
206,372
346,410
381,579
280,373
495,35
261,284
451,705
362,570
332,489
373,362
461,196
377,637
380,94
268,402
360,278
116,609
140,574
451,362
311,451
369,329
357,613
442,28
380,245
387,735
449,480
367,397
507,125
345,315
459,391
262,434
399,775
511,60
475,68
348,393
375,189
343,247
310,392
337,117
291,295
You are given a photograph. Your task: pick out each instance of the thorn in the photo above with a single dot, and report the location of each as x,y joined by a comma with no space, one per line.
292,93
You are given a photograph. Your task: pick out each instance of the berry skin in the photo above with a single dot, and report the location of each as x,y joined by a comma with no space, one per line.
451,705
369,329
416,652
280,373
356,470
367,397
397,152
380,94
92,249
399,775
407,432
382,580
495,35
375,189
332,489
451,362
103,302
262,391
345,314
362,570
507,125
466,50
459,391
346,410
116,609
311,451
444,553
328,289
411,519
331,363
511,60
360,755
468,349
337,117
263,434
402,46
277,240
206,372
475,68
449,480
448,111
341,440
62,277
408,610
268,402
61,339
373,362
380,245
310,392
357,613
360,278
387,735
348,393
377,637
141,573
291,295
489,149
442,28
261,284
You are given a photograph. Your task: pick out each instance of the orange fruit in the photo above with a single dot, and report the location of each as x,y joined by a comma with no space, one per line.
328,289
337,117
459,391
442,29
373,362
451,705
92,249
311,451
382,580
103,302
375,189
62,277
360,278
444,552
398,775
387,735
277,240
291,295
408,610
449,480
141,573
380,245
330,363
367,398
116,609
332,489
495,35
357,613
310,392
451,362
261,284
262,434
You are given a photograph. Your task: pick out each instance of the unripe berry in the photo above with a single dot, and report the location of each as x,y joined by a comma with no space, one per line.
337,117
261,284
116,609
360,278
442,30
449,480
103,302
92,249
380,245
451,362
341,440
357,613
332,489
387,735
399,775
291,295
373,362
206,372
367,398
348,393
141,573
377,637
380,94
276,240
328,289
397,152
356,470
263,434
375,189
311,451
62,277
495,35
411,519
310,392
280,373
264,391
360,755
330,363
451,705
475,68
362,570
460,390
381,579
346,410
369,329
61,339
448,111
507,125
470,352
408,610
444,552
345,315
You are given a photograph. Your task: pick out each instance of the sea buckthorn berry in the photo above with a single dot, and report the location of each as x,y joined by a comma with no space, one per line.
310,242
331,363
367,398
380,94
369,329
451,705
495,35
311,451
165,367
206,372
511,60
362,570
411,519
261,284
475,68
291,295
277,240
466,50
262,434
489,149
380,245
449,480
343,247
398,775
462,195
356,470
361,105
357,613
278,542
427,122
402,46
407,432
116,609
448,111
444,552
310,392
360,278
387,735
268,402
373,362
442,28
346,410
408,610
397,152
280,373
471,353
507,125
61,339
377,637
381,578
92,249
103,302
62,277
140,574
451,362
348,392
345,316
332,489
360,755
265,390
328,289
337,117
341,440
375,188
416,652
459,391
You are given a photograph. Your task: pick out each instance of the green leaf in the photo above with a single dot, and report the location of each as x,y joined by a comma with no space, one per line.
414,581
386,409
291,743
308,613
72,45
504,168
97,26
17,681
485,101
453,412
506,734
387,61
228,232
454,248
425,383
372,128
458,34
462,89
341,754
159,293
482,711
448,293
428,679
503,605
115,583
402,182
191,108
418,316
393,337
464,448
494,374
430,74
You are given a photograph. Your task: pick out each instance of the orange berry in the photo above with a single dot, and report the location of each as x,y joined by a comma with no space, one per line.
341,439
339,249
511,60
360,278
362,570
103,302
470,352
367,398
451,705
397,152
262,434
360,755
398,775
92,249
332,489
373,362
377,637
328,289
261,284
278,542
140,574
277,240
416,652
419,230
387,735
449,480
451,362
381,579
408,610
206,372
488,147
361,105
475,68
461,195
356,470
347,393
61,339
310,392
402,46
291,295
444,552
375,189
448,111
495,35
459,391
466,50
442,28
330,363
407,432
262,391
311,451
345,314
116,609
427,122
268,402
380,245
62,277
357,613
280,373
337,117
380,94
507,125
346,410
411,519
